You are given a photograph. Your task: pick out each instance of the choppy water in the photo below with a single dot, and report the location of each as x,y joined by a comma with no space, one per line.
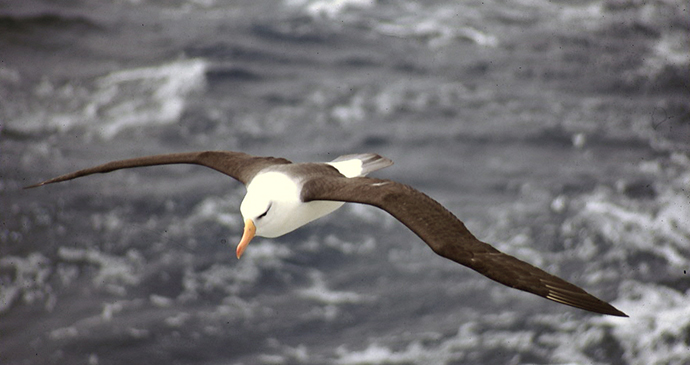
559,131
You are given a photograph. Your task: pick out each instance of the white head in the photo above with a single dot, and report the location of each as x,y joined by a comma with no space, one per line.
265,209
272,208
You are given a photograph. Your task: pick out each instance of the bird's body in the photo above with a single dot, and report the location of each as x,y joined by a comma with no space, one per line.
282,196
283,184
281,193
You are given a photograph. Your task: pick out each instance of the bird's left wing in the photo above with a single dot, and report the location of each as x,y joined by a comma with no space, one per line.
238,165
449,237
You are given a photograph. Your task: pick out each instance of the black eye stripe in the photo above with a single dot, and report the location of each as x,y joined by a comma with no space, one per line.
264,213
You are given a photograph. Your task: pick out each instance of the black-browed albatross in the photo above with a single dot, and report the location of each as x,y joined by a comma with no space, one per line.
283,196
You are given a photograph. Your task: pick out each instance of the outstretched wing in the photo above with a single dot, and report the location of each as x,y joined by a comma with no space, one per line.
449,237
238,165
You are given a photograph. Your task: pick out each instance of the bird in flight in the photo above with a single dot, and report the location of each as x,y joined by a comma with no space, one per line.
283,196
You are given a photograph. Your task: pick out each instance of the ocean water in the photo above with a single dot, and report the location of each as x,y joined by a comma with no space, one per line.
558,131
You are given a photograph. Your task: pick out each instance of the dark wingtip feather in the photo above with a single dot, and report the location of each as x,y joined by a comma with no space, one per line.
617,313
36,185
568,294
57,179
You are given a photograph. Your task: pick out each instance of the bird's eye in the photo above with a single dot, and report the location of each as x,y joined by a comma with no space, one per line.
264,213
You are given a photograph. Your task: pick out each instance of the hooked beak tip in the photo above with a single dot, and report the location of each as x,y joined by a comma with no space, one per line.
249,232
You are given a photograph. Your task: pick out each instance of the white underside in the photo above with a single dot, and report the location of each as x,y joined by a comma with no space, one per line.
301,215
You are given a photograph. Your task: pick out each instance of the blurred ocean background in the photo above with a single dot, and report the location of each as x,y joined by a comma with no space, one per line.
559,131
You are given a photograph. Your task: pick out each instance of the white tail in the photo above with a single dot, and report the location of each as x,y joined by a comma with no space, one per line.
360,164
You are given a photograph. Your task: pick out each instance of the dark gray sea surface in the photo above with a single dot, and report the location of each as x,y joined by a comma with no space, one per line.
558,131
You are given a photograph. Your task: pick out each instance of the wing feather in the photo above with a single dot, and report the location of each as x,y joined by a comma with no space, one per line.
238,165
448,237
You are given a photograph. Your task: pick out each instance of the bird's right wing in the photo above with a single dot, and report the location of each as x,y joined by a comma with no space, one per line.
238,165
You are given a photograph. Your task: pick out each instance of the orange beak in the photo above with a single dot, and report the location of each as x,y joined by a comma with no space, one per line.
249,231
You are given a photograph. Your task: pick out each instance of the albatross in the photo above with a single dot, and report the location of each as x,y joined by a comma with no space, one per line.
283,196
